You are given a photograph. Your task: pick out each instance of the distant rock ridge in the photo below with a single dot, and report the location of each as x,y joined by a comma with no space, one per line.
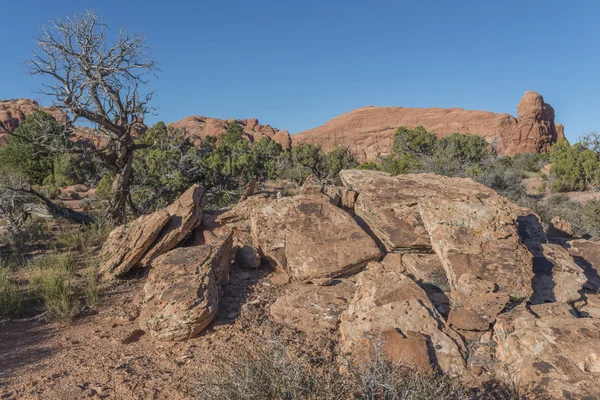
369,131
199,127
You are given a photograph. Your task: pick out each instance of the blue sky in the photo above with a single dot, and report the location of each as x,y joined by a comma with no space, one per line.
296,64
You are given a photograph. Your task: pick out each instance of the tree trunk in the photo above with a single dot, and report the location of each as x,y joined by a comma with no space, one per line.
120,187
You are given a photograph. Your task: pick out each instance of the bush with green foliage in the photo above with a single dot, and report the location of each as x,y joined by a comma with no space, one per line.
573,168
21,153
306,159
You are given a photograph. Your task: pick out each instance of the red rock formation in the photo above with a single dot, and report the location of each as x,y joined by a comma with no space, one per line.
13,112
199,127
369,131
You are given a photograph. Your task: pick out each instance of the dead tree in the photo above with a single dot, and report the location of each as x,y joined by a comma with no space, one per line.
94,79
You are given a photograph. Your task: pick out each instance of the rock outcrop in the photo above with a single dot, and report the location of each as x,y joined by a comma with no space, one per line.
387,301
181,295
127,244
142,240
471,228
13,112
198,127
306,236
550,351
314,309
369,131
186,214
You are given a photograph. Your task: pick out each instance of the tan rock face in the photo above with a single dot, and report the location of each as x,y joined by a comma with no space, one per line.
369,131
471,229
387,300
312,308
185,214
550,352
198,127
557,276
475,303
127,244
182,290
587,255
306,236
13,112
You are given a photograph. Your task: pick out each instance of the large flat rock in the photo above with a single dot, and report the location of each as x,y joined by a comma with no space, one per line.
306,236
312,308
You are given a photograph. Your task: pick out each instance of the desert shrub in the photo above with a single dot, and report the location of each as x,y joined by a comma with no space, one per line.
528,162
590,217
83,238
573,168
271,372
52,283
335,161
104,188
501,176
416,142
369,165
266,153
71,169
10,296
301,161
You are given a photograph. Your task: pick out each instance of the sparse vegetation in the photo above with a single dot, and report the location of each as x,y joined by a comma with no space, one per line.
51,281
10,297
270,371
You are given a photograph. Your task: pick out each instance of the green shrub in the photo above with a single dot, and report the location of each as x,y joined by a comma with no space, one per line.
21,153
369,165
335,161
416,142
104,188
573,168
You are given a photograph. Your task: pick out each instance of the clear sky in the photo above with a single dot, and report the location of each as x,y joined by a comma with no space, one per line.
296,64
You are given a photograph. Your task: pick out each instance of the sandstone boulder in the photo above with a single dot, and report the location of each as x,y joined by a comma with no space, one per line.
127,244
368,132
478,236
306,236
312,308
471,229
182,290
550,352
390,301
185,213
426,269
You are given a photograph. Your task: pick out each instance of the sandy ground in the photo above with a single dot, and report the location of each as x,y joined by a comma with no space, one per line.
104,355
